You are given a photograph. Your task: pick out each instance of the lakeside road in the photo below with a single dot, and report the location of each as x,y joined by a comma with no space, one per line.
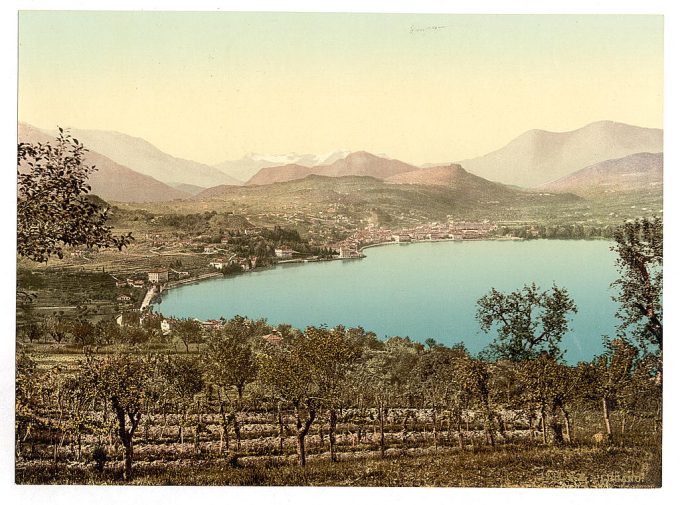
148,297
190,280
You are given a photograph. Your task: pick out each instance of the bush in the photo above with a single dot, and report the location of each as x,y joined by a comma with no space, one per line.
100,457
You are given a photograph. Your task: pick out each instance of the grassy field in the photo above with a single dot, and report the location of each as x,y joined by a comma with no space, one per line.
508,466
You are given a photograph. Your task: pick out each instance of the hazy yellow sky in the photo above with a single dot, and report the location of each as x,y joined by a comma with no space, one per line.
422,88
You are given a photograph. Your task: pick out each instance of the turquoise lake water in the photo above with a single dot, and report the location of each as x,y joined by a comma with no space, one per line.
418,290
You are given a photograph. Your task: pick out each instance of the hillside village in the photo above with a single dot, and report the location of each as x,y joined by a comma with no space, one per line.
160,261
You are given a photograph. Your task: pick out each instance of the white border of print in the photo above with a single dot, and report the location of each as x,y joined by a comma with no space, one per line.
158,495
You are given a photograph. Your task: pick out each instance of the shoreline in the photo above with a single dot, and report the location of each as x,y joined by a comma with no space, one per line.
197,280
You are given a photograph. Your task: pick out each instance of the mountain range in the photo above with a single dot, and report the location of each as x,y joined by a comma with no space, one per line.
359,163
538,156
112,181
143,157
636,172
601,157
252,163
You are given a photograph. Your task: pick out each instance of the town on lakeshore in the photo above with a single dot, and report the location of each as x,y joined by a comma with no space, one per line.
220,260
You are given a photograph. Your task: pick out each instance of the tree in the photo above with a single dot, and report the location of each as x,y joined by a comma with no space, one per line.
107,332
151,323
53,209
285,372
31,331
28,386
56,327
331,354
550,387
437,381
229,366
639,245
134,335
371,384
83,332
189,331
609,375
308,374
528,321
476,380
183,378
129,384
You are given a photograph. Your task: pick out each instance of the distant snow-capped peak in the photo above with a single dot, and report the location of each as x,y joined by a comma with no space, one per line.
300,159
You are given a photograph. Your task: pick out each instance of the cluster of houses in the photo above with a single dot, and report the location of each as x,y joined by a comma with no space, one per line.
244,263
155,276
434,231
133,318
132,283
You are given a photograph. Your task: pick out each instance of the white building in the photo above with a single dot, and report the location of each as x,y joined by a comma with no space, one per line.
158,275
165,327
283,252
346,252
218,263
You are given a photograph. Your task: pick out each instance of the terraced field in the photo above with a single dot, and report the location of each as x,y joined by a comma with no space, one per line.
192,444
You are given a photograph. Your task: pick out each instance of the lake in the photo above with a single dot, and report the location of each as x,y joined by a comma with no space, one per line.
419,290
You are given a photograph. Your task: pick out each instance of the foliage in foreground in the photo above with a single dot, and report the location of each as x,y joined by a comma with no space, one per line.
53,209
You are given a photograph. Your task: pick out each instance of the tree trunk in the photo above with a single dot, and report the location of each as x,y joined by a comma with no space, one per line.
544,426
448,428
126,435
303,424
127,472
332,425
501,425
404,429
567,425
623,422
381,420
197,438
281,432
237,431
461,440
224,435
556,428
434,427
302,458
605,414
490,437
